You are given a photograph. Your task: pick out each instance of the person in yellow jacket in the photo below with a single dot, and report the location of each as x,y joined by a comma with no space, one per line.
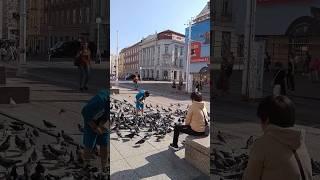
195,120
280,153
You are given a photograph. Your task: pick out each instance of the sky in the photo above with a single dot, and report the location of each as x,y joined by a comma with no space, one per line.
135,19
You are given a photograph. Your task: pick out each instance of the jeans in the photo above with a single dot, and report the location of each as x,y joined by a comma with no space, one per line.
84,76
184,129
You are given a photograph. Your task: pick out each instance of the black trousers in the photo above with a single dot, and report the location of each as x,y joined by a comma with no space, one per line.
184,129
290,82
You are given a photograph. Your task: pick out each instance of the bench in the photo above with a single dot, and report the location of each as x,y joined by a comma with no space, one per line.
3,75
18,94
197,152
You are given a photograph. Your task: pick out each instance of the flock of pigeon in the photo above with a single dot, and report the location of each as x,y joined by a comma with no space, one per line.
230,164
157,121
24,156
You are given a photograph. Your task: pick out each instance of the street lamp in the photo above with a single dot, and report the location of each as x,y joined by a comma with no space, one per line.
23,29
98,21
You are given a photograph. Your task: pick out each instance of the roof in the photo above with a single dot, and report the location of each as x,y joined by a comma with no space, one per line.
204,14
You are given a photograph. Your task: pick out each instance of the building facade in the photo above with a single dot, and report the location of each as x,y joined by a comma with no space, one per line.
71,20
121,72
9,19
131,59
161,56
34,18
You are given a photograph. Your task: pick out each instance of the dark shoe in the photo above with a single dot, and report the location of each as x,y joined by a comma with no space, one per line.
174,147
85,88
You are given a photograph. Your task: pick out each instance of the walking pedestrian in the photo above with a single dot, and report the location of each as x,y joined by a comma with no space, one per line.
83,61
279,80
196,120
314,68
280,153
96,128
135,81
290,73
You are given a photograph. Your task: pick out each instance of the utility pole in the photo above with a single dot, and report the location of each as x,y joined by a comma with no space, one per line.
117,60
23,30
249,37
188,76
98,21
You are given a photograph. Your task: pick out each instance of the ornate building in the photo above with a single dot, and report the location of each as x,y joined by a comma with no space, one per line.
73,19
9,19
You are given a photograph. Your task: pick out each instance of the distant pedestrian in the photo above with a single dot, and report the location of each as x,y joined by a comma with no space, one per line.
140,99
135,80
196,120
314,68
84,63
230,64
291,72
267,62
180,84
279,80
197,87
174,84
223,79
306,63
280,153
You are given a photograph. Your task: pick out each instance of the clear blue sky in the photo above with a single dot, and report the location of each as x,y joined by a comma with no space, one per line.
135,19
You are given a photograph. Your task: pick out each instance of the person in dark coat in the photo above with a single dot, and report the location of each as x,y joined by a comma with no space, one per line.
280,78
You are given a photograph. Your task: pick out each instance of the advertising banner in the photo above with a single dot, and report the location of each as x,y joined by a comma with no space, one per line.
200,45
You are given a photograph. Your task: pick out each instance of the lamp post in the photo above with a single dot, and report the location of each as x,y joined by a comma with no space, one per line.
98,21
23,29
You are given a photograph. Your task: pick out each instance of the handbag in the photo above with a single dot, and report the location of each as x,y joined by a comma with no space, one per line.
207,128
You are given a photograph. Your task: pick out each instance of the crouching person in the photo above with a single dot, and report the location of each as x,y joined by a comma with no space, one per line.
96,128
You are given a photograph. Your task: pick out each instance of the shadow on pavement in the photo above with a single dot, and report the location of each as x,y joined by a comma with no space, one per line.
164,162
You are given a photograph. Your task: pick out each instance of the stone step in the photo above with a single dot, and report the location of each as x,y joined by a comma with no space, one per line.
18,94
197,152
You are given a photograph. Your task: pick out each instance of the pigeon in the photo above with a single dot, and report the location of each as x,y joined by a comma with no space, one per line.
5,145
119,134
34,155
20,143
62,111
17,127
13,173
249,142
12,102
48,124
1,126
32,142
40,168
66,137
71,157
80,128
131,135
56,151
47,154
17,123
220,137
7,163
141,141
35,132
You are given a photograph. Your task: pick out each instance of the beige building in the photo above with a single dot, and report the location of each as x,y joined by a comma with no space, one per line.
131,59
34,18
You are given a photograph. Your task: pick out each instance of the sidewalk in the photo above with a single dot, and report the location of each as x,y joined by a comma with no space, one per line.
152,160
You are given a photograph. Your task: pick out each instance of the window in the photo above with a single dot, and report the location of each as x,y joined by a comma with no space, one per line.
74,17
80,16
226,8
88,15
181,51
166,49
